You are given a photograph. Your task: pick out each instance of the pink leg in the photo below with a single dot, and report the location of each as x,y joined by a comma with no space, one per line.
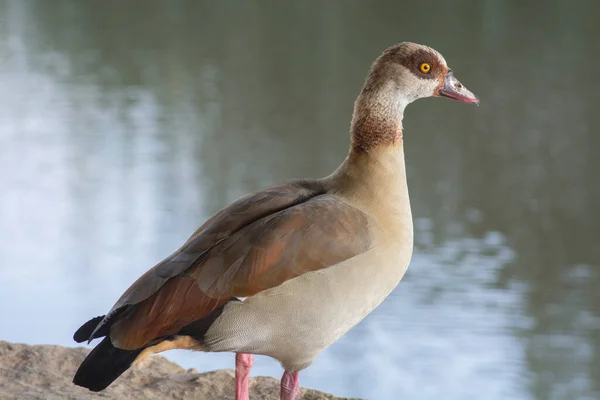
290,382
243,363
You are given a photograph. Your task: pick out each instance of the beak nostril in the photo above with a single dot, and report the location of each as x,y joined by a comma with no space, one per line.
452,88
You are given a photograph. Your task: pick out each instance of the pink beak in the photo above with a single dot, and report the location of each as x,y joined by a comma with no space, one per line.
453,89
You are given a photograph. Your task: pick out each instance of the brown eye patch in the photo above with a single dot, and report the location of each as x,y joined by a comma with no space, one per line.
415,59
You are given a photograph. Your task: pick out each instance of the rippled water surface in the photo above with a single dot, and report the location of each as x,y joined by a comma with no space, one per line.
123,125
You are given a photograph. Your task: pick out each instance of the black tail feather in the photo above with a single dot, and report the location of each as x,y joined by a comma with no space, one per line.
103,365
84,333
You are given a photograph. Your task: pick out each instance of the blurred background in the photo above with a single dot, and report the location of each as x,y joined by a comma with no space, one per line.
125,124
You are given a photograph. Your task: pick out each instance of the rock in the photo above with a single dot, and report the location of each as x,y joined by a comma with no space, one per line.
45,373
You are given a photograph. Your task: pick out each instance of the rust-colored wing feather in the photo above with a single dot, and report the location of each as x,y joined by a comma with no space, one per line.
316,234
257,243
226,222
176,304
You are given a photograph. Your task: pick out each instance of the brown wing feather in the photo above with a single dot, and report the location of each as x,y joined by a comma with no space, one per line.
176,304
304,238
226,222
307,237
258,242
239,214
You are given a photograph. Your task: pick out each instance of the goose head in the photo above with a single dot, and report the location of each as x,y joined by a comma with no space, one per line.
402,74
410,71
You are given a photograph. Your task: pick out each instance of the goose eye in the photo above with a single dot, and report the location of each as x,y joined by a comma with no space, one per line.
425,68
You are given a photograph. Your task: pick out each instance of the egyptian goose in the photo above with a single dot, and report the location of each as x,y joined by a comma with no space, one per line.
311,257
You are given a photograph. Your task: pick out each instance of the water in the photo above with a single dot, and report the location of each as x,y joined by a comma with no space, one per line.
123,125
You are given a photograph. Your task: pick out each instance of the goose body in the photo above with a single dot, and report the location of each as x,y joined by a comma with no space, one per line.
309,258
326,303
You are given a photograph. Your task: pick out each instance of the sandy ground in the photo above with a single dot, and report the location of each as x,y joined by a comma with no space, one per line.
45,373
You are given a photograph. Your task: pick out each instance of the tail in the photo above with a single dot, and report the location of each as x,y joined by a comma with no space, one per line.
103,365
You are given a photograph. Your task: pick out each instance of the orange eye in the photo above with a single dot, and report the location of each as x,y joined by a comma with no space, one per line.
425,68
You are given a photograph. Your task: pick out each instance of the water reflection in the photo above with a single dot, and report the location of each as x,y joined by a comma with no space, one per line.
122,127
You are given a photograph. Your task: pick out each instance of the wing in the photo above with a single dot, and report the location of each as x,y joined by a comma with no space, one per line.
274,236
226,222
240,214
314,235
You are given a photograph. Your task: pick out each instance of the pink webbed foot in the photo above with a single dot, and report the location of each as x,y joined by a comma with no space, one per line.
290,382
243,363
